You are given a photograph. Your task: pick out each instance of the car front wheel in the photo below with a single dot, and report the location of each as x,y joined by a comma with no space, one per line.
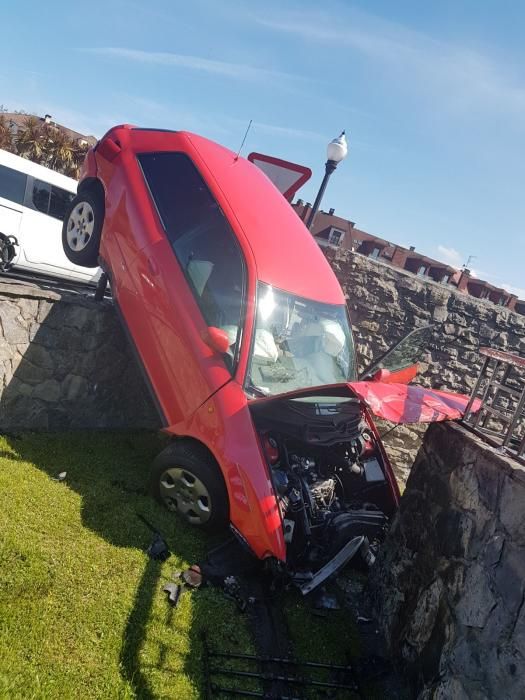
82,229
186,479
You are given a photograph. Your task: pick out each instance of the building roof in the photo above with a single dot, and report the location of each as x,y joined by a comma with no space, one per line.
19,120
396,255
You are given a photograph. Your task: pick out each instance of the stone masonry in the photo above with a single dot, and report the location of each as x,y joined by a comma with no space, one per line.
66,364
385,303
449,582
64,361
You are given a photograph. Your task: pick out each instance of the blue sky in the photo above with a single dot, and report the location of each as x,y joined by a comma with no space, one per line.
432,96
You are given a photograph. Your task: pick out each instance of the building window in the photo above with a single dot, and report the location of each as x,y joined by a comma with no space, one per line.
422,271
445,279
375,253
335,237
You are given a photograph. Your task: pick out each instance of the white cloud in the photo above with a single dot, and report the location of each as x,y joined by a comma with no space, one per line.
284,131
450,255
239,71
467,77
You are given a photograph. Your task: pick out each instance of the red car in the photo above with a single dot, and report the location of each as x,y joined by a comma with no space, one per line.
243,332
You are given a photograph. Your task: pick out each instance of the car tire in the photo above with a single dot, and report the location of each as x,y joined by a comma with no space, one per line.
186,479
82,228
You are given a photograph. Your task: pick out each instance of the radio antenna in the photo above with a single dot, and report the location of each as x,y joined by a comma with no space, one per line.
244,139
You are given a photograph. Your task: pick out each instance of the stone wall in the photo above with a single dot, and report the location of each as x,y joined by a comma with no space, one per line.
58,349
448,585
385,303
66,364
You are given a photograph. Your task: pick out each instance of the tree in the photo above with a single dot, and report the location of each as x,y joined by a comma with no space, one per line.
29,141
7,142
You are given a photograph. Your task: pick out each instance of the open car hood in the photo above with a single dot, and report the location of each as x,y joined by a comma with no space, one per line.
401,403
397,403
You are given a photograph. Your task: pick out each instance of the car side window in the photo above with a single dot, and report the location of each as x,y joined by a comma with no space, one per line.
201,237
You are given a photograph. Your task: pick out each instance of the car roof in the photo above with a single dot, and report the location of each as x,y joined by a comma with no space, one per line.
286,254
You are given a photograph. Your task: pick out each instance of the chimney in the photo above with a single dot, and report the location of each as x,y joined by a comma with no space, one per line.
299,202
304,215
331,211
463,280
412,247
47,118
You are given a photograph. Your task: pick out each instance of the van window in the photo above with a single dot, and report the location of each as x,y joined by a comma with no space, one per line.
59,202
50,199
202,239
40,196
12,184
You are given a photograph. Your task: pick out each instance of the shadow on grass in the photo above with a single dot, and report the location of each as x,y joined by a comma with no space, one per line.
110,471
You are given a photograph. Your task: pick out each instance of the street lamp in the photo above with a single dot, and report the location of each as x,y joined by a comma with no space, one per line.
336,152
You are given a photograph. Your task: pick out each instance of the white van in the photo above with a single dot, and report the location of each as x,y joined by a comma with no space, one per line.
33,201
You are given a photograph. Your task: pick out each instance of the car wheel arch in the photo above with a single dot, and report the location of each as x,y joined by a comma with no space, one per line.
92,184
197,445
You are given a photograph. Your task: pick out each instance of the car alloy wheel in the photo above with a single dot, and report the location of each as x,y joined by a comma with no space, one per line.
182,491
80,226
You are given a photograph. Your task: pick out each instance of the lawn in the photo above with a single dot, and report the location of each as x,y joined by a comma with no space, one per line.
82,612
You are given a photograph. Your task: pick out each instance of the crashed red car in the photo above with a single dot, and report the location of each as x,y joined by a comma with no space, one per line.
242,329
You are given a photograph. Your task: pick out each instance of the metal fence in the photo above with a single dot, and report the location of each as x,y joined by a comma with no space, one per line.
501,388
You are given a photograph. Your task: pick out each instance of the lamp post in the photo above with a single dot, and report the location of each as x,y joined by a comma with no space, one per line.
336,152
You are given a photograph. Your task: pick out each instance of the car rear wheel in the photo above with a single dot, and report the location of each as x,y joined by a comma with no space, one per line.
187,480
82,228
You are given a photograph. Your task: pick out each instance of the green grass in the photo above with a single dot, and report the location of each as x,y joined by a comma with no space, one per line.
82,613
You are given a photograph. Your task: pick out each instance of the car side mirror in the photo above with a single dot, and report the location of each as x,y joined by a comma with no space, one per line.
217,339
108,149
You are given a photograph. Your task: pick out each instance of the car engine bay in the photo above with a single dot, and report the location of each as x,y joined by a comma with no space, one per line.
328,474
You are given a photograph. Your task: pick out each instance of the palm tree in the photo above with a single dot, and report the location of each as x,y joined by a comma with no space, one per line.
60,150
30,143
6,137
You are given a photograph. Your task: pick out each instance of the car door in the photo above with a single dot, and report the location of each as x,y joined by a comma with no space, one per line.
191,278
41,230
399,363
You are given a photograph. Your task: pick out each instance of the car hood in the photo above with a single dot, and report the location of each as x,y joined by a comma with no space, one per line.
397,403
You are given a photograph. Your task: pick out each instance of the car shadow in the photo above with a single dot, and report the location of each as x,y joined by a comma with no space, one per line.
68,366
109,472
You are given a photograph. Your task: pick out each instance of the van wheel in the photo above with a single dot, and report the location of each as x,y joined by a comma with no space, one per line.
186,479
82,228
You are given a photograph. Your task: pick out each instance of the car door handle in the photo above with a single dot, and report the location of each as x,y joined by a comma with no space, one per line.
153,267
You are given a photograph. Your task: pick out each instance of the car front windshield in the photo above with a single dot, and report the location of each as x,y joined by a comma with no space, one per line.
298,343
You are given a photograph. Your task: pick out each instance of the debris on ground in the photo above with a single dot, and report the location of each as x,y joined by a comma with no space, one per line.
192,577
232,589
60,477
323,600
174,591
158,549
